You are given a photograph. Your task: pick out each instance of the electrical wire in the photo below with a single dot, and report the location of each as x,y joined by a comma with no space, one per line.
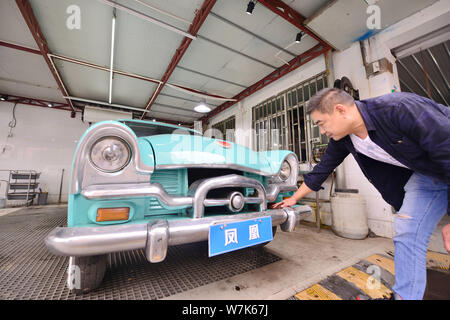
13,122
11,125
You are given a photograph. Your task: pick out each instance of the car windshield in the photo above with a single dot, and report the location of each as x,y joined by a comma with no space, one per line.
149,129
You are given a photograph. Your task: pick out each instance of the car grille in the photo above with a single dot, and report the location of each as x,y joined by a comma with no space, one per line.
174,182
177,181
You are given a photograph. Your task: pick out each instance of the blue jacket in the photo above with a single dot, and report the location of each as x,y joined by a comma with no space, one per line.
412,129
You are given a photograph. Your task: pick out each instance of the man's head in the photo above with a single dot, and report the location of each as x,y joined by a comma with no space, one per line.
334,111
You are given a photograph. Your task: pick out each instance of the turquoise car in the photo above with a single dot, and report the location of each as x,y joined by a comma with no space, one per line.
148,185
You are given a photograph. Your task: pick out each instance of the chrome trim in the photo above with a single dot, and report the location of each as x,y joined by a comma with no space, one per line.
273,190
136,190
226,202
85,174
200,189
291,222
157,240
127,146
292,180
156,236
276,185
236,202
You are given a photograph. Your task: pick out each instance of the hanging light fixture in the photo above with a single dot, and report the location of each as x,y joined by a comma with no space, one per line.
250,7
202,107
298,38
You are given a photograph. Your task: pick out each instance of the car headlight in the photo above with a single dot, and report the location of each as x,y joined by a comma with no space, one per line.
285,171
110,154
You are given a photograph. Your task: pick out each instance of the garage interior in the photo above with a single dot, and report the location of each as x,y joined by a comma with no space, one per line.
224,68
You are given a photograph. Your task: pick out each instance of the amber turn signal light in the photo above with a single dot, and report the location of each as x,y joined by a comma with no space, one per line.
112,214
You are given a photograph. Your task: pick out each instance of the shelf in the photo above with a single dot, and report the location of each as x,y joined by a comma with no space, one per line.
23,186
23,176
20,196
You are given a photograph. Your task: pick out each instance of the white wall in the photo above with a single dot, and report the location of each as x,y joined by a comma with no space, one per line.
44,140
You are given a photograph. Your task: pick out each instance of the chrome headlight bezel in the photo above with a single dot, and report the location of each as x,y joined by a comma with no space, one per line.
119,150
285,171
286,180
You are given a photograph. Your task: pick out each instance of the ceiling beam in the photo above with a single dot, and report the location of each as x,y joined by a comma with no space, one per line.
19,47
286,12
200,17
33,25
275,75
38,102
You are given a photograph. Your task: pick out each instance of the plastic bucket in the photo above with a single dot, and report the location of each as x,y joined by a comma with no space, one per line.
349,219
42,198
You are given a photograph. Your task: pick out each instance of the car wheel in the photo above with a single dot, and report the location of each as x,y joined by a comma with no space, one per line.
86,273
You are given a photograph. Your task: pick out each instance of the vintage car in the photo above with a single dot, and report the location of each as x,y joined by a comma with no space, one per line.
148,185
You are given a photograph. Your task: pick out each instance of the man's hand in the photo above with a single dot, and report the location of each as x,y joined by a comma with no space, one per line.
289,202
446,237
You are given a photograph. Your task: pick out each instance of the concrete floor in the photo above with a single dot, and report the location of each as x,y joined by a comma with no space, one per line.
307,257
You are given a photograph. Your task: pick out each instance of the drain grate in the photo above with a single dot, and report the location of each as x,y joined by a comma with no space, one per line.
29,272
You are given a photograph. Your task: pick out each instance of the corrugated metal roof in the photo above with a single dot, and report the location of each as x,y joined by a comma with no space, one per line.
232,51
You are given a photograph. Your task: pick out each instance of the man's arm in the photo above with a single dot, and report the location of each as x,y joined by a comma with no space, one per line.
333,157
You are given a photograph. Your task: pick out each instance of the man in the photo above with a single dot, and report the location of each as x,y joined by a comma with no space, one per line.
401,142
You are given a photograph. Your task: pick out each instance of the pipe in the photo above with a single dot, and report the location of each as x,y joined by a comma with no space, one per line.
148,18
111,73
61,186
164,12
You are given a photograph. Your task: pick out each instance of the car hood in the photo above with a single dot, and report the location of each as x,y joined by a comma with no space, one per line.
190,150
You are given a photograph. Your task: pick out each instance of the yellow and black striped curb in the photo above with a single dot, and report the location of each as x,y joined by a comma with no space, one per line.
372,277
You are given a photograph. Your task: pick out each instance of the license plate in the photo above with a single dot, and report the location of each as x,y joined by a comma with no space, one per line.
226,237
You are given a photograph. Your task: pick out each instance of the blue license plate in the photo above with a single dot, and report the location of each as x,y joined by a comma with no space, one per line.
226,237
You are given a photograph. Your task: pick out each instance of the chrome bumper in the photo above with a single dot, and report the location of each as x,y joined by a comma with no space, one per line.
157,235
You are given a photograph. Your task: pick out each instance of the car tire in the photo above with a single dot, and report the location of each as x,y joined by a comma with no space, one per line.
86,273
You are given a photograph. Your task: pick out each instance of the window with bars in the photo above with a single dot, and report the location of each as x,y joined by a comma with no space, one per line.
281,121
227,128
